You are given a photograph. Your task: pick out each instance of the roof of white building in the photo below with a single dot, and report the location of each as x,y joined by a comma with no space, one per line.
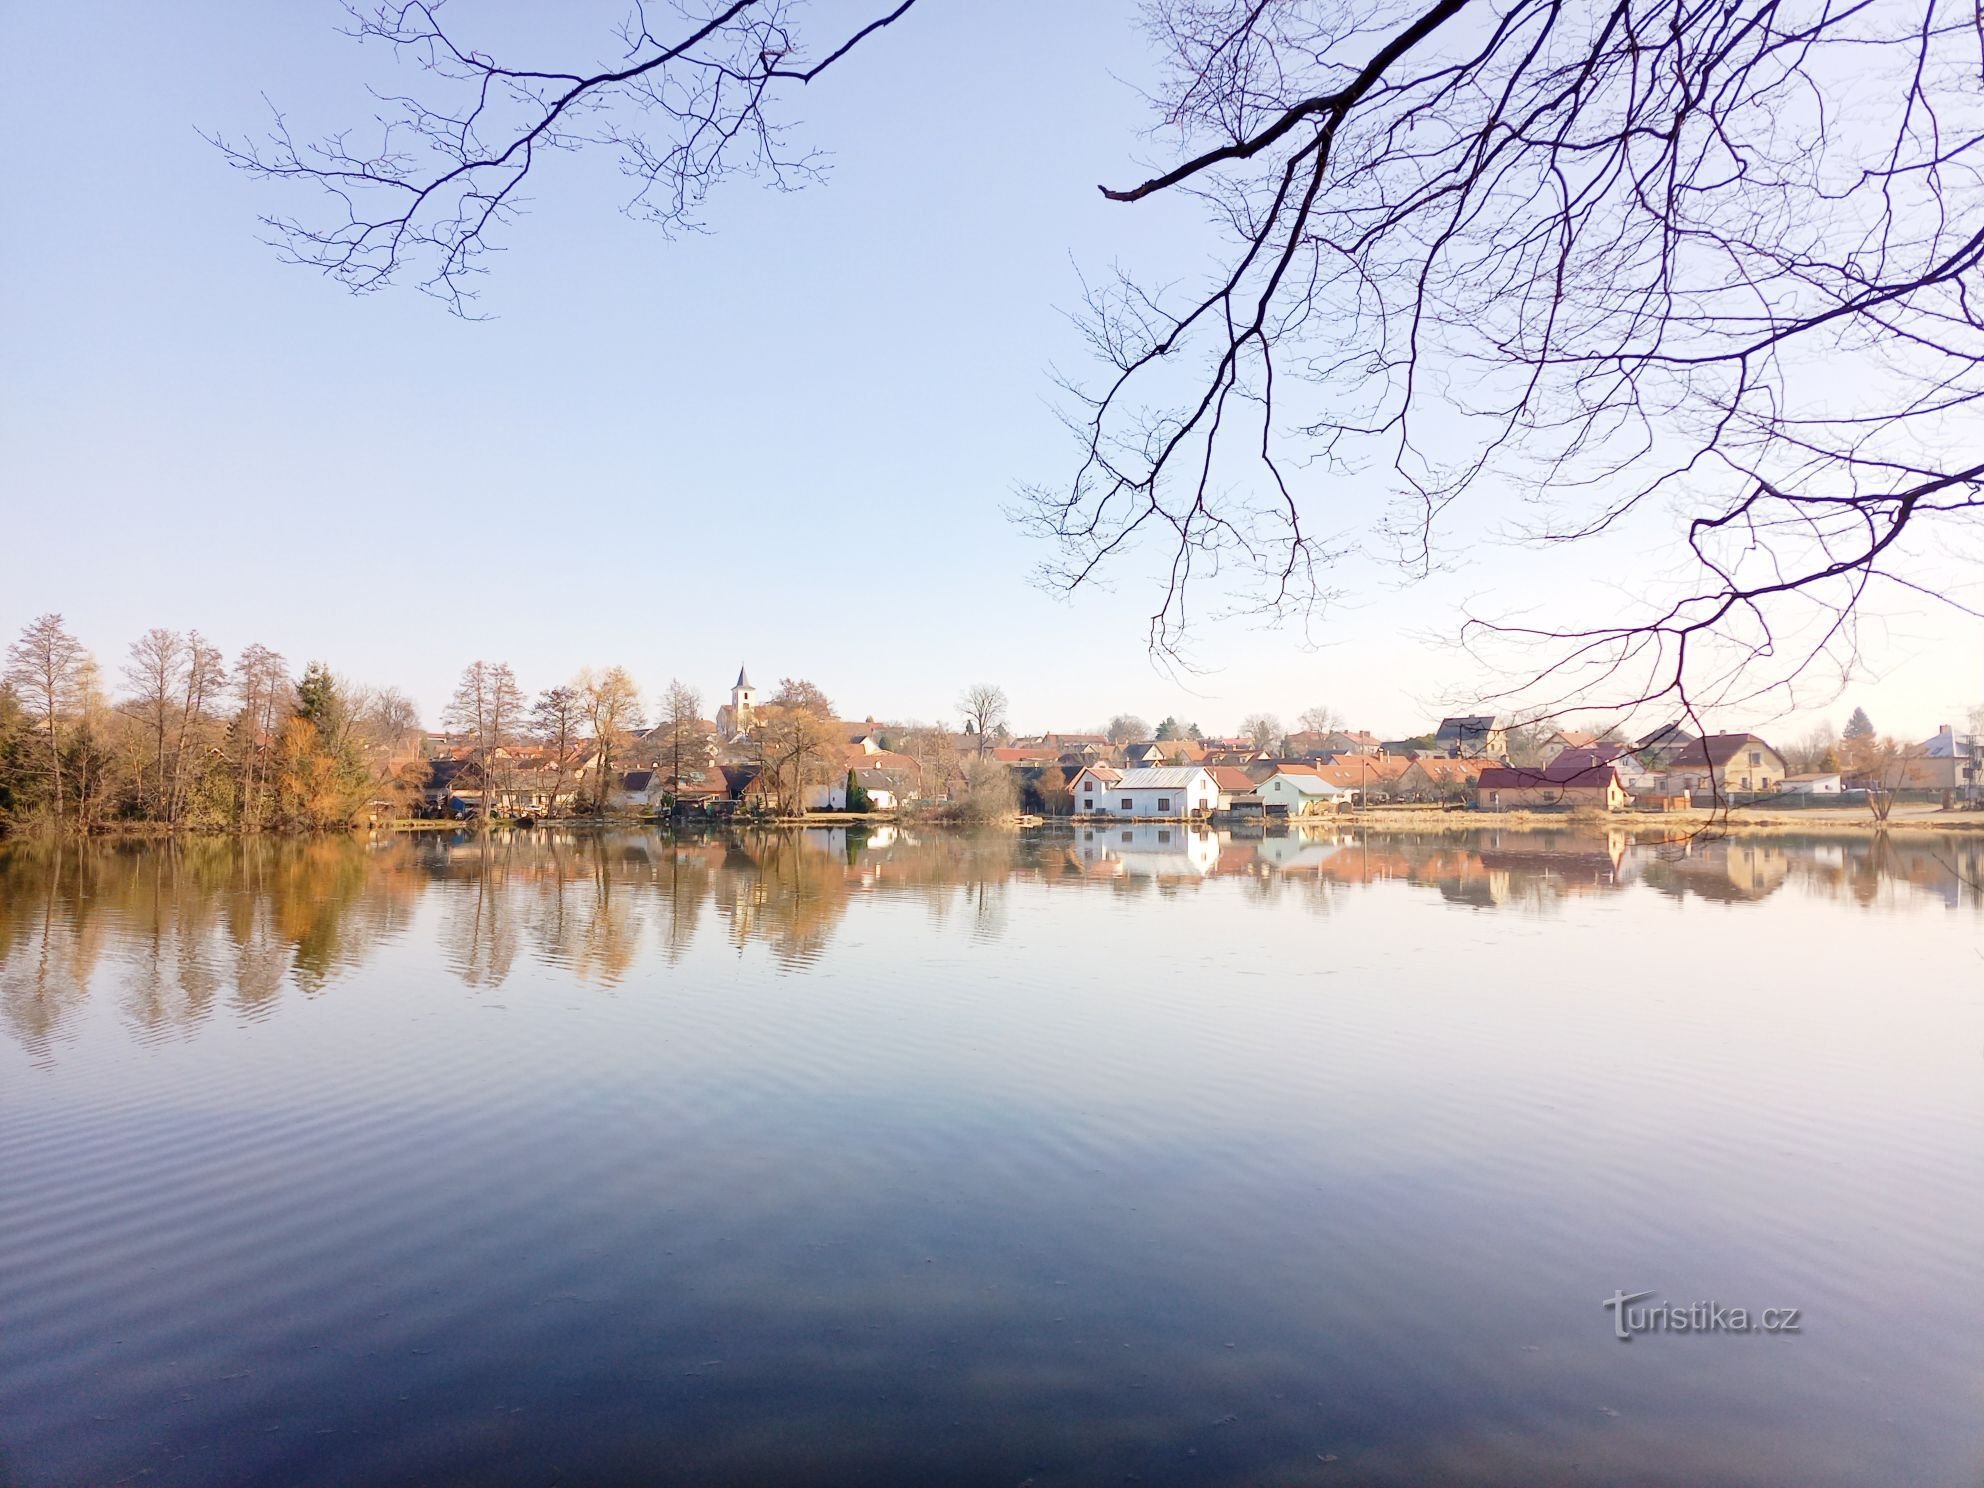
1308,785
1161,777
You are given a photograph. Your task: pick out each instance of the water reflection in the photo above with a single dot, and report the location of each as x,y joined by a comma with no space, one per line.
191,926
1075,1156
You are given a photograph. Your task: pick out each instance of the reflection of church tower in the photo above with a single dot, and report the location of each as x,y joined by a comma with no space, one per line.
736,718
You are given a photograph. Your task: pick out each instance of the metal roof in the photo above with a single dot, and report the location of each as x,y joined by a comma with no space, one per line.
1160,777
1308,785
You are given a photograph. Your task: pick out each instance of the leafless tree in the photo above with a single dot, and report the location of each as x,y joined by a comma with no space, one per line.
798,748
1264,729
612,710
1707,271
153,677
686,734
265,693
1126,728
936,752
51,673
1320,720
1607,264
391,719
489,705
556,720
203,682
983,708
683,106
797,692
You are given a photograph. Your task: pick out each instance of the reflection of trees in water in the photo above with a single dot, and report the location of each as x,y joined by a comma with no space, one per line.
479,929
177,929
49,942
178,923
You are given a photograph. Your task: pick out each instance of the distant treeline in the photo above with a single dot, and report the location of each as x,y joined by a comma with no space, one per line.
192,740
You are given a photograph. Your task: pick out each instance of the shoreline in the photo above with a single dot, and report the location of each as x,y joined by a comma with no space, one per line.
1642,826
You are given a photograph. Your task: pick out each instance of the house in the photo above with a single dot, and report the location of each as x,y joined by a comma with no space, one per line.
1823,783
1438,778
1724,765
1152,752
1307,744
1236,788
1181,854
638,790
1663,744
1168,791
1090,787
1349,741
1948,762
698,785
1369,777
1020,756
887,790
1471,735
1293,790
1571,780
1567,738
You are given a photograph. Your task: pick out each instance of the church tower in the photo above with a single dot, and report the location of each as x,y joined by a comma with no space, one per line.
743,698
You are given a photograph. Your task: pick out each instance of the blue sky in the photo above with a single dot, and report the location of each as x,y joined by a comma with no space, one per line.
789,442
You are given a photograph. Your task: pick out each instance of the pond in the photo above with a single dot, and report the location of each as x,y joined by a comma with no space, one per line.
1121,1154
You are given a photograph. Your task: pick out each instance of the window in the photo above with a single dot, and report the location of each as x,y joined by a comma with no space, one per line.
1129,836
1756,758
1088,805
1128,804
1164,803
1163,836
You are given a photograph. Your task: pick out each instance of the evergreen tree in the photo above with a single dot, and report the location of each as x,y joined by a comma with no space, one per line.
857,794
317,698
1859,726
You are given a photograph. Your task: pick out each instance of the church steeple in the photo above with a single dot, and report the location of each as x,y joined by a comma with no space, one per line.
743,697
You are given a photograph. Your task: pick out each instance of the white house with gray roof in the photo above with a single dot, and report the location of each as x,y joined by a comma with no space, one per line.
1163,793
1298,793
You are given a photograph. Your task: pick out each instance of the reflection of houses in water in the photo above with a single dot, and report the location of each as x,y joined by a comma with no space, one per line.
1567,862
1146,850
1297,850
1506,867
1731,869
1875,869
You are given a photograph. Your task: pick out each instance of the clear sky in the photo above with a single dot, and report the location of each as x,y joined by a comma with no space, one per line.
790,442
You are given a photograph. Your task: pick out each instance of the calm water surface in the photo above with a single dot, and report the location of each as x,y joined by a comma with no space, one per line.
1147,1155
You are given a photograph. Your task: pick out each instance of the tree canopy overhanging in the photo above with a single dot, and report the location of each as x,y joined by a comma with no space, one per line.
1586,262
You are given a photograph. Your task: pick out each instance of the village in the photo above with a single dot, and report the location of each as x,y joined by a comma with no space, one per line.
787,756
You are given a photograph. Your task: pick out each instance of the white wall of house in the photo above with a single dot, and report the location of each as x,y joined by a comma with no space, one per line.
1148,851
1298,800
834,797
1090,793
1153,802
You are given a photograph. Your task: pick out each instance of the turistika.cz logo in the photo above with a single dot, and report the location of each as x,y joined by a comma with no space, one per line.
1628,1320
